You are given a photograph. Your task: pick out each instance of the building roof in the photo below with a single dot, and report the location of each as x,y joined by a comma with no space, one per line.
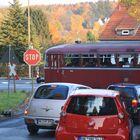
121,20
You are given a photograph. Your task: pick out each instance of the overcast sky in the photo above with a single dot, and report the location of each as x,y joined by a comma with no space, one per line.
46,2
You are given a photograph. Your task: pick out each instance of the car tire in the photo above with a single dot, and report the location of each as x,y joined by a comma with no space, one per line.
32,129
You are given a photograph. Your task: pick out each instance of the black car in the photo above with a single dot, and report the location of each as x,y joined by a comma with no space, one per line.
40,80
132,91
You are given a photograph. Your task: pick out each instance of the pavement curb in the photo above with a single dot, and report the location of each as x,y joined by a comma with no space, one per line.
12,116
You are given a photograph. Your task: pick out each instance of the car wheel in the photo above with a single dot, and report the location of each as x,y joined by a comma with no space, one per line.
32,129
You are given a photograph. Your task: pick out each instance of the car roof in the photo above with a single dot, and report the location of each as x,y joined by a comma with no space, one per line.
125,84
64,83
98,92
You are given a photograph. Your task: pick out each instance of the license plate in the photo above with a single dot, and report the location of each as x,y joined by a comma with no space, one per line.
90,138
45,122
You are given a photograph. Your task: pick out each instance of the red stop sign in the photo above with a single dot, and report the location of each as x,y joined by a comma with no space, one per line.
32,57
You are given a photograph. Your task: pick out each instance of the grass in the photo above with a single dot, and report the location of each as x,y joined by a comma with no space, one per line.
11,100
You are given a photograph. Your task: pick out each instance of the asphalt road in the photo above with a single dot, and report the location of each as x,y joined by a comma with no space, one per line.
15,129
24,84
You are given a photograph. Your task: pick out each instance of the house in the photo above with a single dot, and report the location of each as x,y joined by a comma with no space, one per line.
121,26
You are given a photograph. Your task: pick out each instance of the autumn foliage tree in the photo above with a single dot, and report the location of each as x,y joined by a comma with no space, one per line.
134,7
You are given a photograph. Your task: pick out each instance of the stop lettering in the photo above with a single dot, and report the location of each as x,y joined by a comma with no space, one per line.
31,57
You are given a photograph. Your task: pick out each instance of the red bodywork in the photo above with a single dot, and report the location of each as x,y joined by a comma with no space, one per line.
72,126
94,77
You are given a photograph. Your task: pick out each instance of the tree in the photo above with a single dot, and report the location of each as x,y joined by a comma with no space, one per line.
13,30
40,23
76,23
90,36
133,6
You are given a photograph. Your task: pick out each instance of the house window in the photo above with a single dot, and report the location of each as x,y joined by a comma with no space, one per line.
125,32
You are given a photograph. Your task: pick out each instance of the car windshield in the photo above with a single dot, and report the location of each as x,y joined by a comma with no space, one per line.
130,91
58,92
92,106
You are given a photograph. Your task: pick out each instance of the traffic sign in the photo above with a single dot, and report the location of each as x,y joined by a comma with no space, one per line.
32,57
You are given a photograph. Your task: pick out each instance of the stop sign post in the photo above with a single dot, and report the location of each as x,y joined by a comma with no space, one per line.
32,57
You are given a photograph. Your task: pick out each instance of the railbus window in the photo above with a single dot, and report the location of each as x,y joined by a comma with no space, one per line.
46,61
101,60
106,60
72,60
138,63
126,60
88,60
80,60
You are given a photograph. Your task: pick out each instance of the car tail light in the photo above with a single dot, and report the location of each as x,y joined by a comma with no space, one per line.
26,112
134,103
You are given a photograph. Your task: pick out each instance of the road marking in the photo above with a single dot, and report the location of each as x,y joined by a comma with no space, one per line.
4,82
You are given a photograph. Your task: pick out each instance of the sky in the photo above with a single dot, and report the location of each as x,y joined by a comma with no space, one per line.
44,2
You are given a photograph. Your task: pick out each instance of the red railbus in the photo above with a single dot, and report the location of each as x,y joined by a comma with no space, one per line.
98,64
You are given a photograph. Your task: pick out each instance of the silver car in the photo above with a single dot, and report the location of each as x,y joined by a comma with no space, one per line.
44,108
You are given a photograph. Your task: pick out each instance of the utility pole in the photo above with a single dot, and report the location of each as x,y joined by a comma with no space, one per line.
30,45
9,61
29,34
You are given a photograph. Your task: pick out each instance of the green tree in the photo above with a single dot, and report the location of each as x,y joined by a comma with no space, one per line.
90,36
40,23
13,30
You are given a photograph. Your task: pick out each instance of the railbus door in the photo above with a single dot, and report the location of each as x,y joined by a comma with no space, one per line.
53,72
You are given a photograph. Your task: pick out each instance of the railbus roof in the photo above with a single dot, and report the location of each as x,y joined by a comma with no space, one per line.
97,47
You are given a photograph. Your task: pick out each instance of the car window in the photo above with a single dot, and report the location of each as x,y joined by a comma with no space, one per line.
58,92
130,91
92,106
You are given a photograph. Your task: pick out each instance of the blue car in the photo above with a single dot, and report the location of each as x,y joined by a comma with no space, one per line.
132,91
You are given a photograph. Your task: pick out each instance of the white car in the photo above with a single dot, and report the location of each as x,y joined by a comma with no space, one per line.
44,108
